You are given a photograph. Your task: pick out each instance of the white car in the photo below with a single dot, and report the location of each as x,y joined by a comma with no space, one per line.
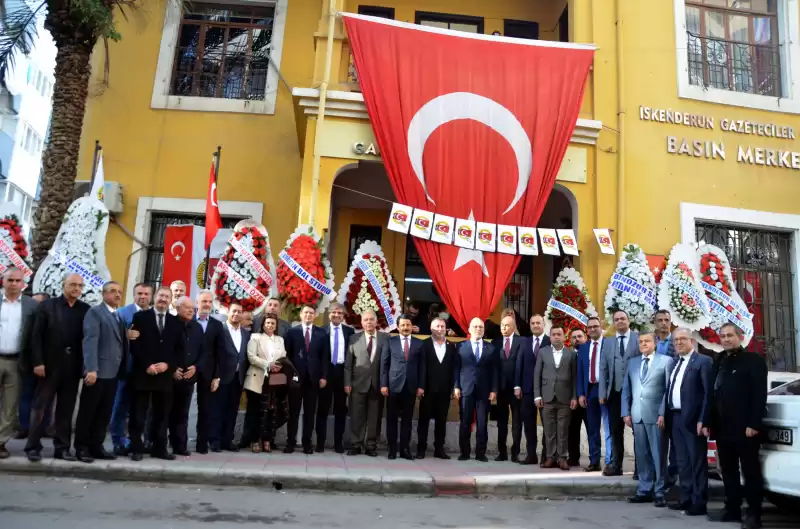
780,451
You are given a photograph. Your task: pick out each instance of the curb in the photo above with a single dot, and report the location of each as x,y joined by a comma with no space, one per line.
493,486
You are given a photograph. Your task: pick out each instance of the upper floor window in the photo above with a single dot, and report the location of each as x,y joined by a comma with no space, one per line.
30,141
223,51
446,21
40,82
734,45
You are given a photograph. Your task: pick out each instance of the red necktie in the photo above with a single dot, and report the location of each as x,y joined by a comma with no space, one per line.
593,364
308,338
507,347
369,348
405,349
536,347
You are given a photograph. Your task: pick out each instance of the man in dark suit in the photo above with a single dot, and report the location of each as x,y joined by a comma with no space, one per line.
402,381
273,307
476,383
57,359
362,380
185,376
508,399
576,339
440,359
737,423
230,373
156,353
105,351
689,403
554,390
333,392
309,349
590,355
523,386
209,369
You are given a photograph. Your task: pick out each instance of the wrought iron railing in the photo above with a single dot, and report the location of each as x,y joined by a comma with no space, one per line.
734,66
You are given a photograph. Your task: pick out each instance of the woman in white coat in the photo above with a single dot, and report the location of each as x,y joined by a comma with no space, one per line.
264,351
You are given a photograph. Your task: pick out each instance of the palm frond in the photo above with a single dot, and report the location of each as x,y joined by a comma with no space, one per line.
18,32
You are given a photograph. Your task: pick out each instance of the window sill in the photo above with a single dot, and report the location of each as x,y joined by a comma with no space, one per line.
738,99
212,104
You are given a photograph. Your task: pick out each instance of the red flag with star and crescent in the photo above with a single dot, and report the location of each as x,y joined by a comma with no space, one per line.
469,126
213,220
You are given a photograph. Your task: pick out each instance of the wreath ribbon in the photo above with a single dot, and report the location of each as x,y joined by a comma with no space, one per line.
300,272
376,286
569,311
77,268
685,287
15,259
251,260
740,311
746,326
252,291
631,286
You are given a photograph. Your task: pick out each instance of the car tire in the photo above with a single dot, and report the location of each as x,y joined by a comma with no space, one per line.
784,503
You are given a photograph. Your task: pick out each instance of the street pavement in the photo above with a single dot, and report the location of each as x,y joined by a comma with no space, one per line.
28,502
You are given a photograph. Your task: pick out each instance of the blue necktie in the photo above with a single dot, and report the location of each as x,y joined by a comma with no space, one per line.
645,367
478,351
335,345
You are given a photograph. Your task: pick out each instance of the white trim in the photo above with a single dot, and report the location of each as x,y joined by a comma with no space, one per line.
166,55
195,206
351,105
691,213
789,37
475,36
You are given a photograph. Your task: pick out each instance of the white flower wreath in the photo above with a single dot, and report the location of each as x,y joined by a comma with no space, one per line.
632,264
688,309
364,300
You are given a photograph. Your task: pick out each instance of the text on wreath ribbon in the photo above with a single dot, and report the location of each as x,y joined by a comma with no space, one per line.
300,272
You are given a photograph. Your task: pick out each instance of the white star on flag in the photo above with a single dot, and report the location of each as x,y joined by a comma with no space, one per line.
656,270
465,256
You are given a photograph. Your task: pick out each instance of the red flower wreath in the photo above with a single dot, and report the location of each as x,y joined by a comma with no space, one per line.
230,257
715,270
307,250
570,291
13,227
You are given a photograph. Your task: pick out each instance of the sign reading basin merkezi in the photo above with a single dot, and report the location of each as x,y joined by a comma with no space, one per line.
717,150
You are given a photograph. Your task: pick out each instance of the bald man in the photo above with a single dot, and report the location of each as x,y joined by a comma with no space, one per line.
476,383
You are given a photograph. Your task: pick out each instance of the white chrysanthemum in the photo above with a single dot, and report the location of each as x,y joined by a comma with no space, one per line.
632,264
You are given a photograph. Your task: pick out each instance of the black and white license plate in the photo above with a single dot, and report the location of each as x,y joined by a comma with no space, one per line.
779,436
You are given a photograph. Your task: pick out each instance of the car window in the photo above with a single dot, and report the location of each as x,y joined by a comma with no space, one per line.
792,388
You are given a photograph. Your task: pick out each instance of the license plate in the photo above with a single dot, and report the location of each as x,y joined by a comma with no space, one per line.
780,436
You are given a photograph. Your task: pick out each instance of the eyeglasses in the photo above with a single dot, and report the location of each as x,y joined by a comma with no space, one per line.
681,339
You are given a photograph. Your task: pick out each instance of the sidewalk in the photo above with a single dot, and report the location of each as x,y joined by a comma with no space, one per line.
341,473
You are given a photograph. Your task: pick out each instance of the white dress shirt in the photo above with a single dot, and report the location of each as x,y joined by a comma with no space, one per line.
273,347
111,309
627,336
236,336
677,381
340,359
477,349
599,356
557,354
10,326
440,349
173,310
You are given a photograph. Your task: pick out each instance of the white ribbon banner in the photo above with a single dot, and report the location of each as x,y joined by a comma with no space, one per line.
300,272
376,286
631,286
252,291
15,259
569,311
251,260
77,268
745,325
685,287
727,300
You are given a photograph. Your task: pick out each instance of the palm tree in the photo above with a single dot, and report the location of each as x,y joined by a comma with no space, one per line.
76,26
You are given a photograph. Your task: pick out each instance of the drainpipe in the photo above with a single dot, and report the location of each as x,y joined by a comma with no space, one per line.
620,129
323,96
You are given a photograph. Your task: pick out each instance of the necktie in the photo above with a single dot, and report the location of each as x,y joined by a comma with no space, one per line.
672,383
645,367
622,347
593,365
369,348
536,347
477,351
507,347
335,345
405,349
160,323
308,338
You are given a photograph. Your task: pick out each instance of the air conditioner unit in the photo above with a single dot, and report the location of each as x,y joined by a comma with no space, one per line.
112,192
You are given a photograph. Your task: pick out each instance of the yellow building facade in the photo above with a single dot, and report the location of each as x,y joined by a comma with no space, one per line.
687,132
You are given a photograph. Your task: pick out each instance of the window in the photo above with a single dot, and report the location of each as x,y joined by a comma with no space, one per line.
360,234
521,29
792,388
30,141
446,21
375,11
761,265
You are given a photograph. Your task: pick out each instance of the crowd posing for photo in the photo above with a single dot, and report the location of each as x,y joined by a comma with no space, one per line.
136,369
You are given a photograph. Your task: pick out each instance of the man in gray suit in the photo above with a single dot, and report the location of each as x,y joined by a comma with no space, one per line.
362,381
105,349
554,382
16,320
613,367
643,409
273,307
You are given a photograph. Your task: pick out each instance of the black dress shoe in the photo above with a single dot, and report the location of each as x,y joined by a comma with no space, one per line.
136,456
320,448
120,451
515,458
660,503
354,452
530,461
231,448
83,456
372,453
104,455
574,462
592,468
34,456
163,454
725,515
22,434
339,449
441,454
216,449
182,453
463,457
148,446
681,506
696,510
392,455
751,522
611,471
201,448
635,477
482,458
64,455
406,454
289,449
501,457
419,455
640,499
307,450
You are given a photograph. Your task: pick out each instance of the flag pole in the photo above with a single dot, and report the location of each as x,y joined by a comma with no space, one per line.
94,162
215,160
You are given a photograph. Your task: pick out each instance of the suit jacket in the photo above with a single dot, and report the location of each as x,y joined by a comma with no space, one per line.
258,326
311,365
210,367
105,345
555,384
153,347
644,400
362,373
194,349
696,390
262,353
439,375
347,333
232,362
48,345
508,366
525,367
614,364
584,361
473,376
28,314
397,373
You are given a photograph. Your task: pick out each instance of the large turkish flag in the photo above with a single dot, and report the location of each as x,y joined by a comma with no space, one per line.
470,126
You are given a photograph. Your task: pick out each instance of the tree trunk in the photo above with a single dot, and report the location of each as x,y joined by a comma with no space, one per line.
72,75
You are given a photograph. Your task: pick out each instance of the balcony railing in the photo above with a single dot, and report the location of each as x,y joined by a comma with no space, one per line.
734,66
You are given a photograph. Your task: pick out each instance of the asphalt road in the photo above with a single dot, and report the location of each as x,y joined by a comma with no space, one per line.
39,503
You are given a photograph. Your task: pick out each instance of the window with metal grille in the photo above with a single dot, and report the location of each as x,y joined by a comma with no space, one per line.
223,51
734,45
761,264
154,261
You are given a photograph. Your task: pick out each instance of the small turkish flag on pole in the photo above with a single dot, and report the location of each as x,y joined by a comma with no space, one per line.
213,221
